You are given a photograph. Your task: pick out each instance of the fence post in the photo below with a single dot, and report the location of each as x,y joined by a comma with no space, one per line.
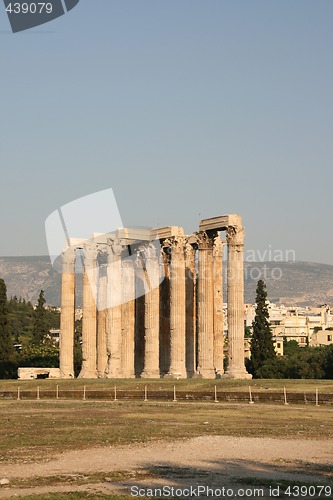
146,394
37,397
251,402
215,395
285,396
174,394
18,394
57,392
84,393
115,393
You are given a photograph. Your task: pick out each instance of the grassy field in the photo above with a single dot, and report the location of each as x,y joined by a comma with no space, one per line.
36,429
325,386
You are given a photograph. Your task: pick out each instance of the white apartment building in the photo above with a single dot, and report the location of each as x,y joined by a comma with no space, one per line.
306,325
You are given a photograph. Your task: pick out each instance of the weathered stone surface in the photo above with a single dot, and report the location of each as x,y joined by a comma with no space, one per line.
220,223
33,373
128,320
205,307
113,318
151,322
235,240
177,308
218,305
176,328
67,321
102,357
191,309
134,234
89,320
166,232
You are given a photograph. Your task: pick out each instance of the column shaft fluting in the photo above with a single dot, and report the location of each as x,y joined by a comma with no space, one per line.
177,309
151,356
102,357
190,310
218,306
128,319
89,320
67,319
113,318
235,239
205,307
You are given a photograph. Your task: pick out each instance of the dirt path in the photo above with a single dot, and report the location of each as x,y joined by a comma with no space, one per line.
210,460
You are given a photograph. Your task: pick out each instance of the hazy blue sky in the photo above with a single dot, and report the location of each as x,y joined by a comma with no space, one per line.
186,108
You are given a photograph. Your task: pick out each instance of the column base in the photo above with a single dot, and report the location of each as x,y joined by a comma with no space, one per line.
87,374
115,375
68,374
237,374
206,373
128,375
101,372
150,374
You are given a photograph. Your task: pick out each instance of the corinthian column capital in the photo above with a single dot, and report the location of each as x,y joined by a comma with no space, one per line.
115,247
235,235
176,244
90,254
150,251
204,241
68,258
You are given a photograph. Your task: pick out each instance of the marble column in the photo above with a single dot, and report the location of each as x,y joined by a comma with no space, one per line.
89,319
113,317
205,307
151,322
67,319
218,305
128,319
190,281
235,240
177,309
102,356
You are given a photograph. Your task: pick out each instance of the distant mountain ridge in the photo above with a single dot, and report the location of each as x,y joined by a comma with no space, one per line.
289,283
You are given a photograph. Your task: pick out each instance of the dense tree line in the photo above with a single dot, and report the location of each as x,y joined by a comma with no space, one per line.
299,362
24,334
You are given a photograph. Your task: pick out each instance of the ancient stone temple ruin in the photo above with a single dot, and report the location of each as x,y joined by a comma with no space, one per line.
153,302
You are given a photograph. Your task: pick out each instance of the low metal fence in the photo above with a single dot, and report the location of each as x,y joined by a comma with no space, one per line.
166,395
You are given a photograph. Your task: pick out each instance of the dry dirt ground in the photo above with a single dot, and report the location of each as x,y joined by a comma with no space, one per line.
214,461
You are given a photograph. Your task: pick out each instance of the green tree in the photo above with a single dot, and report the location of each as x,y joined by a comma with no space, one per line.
7,353
40,356
247,332
328,365
20,320
40,321
290,347
262,347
